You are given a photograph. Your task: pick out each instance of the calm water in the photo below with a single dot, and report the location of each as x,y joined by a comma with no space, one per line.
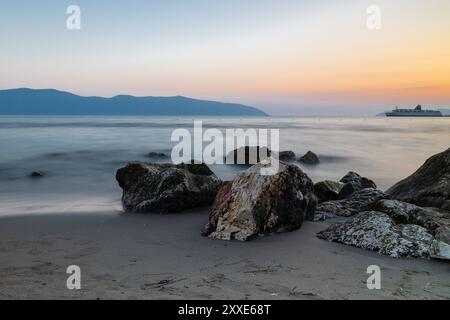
81,154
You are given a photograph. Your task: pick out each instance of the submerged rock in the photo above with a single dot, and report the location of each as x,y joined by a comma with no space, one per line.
429,186
353,177
164,188
350,206
157,155
286,156
254,204
327,190
310,158
248,155
376,231
37,174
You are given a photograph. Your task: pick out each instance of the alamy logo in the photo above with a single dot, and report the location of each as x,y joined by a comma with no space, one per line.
374,281
73,22
74,280
374,17
190,146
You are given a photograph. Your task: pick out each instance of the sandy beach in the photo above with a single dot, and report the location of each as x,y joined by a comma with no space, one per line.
164,257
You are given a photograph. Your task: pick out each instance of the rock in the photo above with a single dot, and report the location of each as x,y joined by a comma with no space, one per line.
351,205
164,188
365,183
37,174
327,190
254,204
348,189
250,155
440,250
429,186
286,156
157,155
376,231
402,212
443,234
310,158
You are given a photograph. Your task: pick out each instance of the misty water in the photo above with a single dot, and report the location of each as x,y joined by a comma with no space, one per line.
80,155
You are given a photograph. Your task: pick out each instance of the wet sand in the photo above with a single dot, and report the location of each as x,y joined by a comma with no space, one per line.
164,257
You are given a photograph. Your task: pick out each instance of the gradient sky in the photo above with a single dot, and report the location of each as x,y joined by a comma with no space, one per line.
287,57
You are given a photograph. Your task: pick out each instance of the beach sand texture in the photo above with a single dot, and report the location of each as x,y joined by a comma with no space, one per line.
164,257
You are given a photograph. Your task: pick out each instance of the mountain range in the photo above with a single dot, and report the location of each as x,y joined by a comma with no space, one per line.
26,101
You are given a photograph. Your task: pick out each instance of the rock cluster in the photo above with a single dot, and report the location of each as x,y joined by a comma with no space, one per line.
410,220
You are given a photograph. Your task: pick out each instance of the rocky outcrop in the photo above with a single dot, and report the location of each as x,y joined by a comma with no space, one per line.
429,186
164,188
310,158
376,231
248,155
350,206
327,190
353,177
406,213
254,204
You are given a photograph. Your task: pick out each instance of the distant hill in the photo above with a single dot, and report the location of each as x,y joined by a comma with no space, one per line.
54,102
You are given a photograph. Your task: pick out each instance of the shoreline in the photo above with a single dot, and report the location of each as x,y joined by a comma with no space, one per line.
124,256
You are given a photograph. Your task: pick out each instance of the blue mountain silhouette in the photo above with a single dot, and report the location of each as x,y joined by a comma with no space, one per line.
53,102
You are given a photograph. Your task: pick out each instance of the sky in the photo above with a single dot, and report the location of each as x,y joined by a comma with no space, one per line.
286,57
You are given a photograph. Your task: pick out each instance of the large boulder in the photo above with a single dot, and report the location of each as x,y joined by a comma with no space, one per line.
327,190
164,188
254,204
376,231
429,186
350,206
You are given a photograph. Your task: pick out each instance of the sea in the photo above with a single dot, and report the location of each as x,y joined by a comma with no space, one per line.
80,155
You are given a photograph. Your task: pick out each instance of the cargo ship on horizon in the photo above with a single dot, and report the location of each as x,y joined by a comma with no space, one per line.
417,112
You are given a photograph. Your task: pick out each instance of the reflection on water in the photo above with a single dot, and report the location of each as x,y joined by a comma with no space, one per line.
81,154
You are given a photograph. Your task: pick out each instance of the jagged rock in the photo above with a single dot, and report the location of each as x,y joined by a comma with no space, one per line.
248,155
402,212
37,174
429,186
364,182
254,204
157,155
163,188
376,231
327,190
286,156
310,158
348,189
351,205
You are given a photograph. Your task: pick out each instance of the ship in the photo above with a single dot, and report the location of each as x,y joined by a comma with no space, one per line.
417,112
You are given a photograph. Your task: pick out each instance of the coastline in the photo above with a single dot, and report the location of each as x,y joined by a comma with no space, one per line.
163,257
